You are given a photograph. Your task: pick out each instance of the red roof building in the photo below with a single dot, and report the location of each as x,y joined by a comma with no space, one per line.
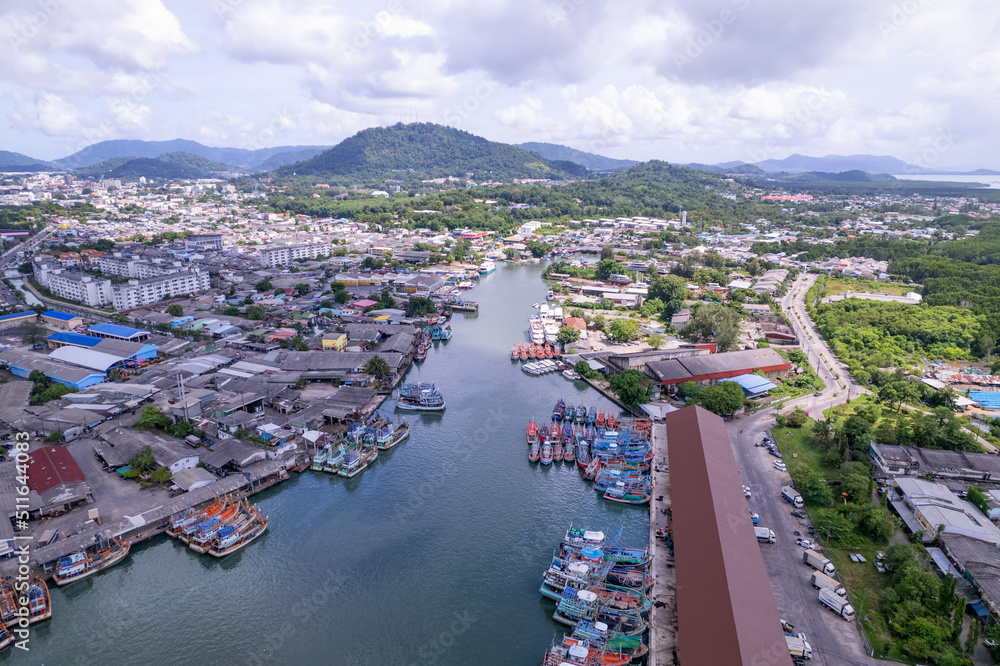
50,466
726,612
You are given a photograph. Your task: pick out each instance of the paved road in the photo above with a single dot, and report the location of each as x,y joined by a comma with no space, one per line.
834,641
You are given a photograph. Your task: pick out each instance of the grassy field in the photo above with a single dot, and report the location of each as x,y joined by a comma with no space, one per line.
843,285
864,585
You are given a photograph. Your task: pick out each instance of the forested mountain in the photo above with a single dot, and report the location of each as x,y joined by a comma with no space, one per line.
599,163
10,161
408,152
260,159
171,166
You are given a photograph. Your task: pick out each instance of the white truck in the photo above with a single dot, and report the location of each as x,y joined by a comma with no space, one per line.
798,646
821,581
792,497
837,604
818,562
764,534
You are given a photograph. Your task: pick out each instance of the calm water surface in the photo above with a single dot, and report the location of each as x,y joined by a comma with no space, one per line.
433,555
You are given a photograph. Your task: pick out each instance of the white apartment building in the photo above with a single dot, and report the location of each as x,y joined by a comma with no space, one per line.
282,255
80,287
137,293
217,242
110,264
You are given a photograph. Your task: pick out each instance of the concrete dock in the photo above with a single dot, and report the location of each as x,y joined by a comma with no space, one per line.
663,618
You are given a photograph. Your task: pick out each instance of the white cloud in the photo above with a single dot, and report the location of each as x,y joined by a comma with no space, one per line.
49,114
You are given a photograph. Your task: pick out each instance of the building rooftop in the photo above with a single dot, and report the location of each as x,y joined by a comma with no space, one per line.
50,466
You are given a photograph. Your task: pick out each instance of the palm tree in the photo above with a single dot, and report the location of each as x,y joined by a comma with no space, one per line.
378,368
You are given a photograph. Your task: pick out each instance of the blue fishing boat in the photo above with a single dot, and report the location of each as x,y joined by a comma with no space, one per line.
592,416
546,453
559,411
419,398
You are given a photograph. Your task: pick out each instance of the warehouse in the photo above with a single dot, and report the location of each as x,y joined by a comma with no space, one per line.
717,558
118,332
21,364
16,319
132,353
712,367
87,358
61,320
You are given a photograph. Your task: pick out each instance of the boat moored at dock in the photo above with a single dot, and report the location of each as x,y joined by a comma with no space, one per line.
105,552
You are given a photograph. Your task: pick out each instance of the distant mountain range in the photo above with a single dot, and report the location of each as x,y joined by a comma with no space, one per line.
260,159
596,163
873,164
407,152
169,166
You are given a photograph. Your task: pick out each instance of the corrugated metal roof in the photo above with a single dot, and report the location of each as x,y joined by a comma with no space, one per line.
725,607
85,358
61,316
71,338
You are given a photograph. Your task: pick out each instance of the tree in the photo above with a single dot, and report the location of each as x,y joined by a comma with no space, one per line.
175,310
832,523
823,433
606,267
723,399
161,475
712,320
510,253
378,368
298,343
607,252
38,377
341,296
623,330
537,248
143,461
797,418
814,490
631,387
33,334
419,305
655,340
264,285
150,418
385,300
689,390
26,268
567,335
302,288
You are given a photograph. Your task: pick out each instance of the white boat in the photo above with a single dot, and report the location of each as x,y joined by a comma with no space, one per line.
537,330
487,267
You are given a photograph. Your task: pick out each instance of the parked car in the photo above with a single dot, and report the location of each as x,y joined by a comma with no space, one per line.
798,514
805,543
818,394
779,465
746,491
775,452
880,566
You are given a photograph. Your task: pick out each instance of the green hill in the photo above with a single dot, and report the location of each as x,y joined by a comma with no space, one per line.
554,151
10,161
425,150
170,166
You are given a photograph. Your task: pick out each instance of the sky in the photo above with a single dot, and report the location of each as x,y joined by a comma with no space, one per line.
684,81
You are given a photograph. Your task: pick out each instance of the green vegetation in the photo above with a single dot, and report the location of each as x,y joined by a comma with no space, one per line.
142,461
378,368
169,166
581,368
567,335
255,312
161,475
44,389
710,321
152,418
264,285
631,386
419,151
419,305
175,310
33,334
724,398
623,330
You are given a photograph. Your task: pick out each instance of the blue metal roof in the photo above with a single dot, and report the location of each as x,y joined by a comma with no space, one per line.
18,315
75,339
752,383
61,316
986,399
116,329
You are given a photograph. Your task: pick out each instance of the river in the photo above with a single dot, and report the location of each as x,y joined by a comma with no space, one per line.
433,555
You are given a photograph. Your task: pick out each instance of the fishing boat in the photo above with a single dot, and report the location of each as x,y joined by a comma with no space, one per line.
555,431
320,458
590,473
548,351
82,564
569,453
334,460
600,419
577,605
582,453
559,411
419,398
204,536
627,495
581,537
640,579
356,461
39,602
251,526
549,295
8,603
421,354
515,352
543,434
581,414
6,638
534,452
592,416
441,333
523,355
389,437
578,652
546,453
532,432
598,635
557,450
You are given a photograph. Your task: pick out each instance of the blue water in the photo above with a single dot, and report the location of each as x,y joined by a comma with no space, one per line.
432,556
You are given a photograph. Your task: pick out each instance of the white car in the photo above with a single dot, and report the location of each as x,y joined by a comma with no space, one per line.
746,491
806,543
780,465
